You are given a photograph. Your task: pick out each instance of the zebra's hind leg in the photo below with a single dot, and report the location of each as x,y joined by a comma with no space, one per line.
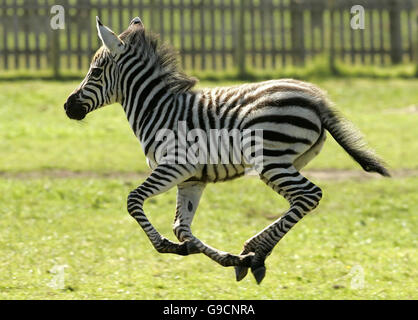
303,197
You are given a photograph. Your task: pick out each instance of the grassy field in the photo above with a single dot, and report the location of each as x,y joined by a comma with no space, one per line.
34,127
63,188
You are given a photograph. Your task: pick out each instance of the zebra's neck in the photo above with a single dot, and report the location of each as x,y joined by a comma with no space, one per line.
143,92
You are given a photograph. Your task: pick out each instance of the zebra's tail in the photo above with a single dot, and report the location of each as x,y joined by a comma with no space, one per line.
350,139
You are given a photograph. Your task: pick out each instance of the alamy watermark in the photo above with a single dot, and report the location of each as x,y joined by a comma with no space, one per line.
58,19
58,280
217,146
357,277
357,20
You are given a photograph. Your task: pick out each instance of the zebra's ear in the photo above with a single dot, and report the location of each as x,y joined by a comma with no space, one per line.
137,22
110,40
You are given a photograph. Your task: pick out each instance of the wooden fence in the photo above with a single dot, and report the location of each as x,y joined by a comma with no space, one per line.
214,34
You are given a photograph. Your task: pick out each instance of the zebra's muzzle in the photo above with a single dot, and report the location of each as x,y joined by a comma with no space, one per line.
76,113
74,109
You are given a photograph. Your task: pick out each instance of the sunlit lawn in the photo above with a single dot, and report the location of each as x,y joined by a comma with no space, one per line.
361,242
35,134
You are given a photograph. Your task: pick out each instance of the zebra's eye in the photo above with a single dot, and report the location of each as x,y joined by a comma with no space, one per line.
96,72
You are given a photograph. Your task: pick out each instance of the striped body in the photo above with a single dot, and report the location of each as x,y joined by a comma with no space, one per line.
293,117
283,109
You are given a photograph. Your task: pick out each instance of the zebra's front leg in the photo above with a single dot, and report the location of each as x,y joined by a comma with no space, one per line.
188,197
162,178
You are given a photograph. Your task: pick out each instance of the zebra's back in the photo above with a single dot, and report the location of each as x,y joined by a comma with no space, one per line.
283,110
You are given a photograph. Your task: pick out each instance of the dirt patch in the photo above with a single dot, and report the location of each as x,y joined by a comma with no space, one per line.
68,174
412,109
317,174
336,175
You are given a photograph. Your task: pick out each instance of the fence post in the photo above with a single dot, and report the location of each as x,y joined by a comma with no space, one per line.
297,32
240,41
55,53
332,66
395,32
154,16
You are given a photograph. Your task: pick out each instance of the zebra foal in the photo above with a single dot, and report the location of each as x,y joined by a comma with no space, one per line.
133,70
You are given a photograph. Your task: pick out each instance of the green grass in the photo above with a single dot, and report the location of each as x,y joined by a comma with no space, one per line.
82,222
35,134
318,68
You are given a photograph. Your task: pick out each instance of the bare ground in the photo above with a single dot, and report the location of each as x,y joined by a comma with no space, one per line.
316,174
412,109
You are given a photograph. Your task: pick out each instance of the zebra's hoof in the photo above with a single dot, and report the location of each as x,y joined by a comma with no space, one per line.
259,273
240,273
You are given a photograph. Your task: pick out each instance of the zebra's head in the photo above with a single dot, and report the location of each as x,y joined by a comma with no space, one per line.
100,86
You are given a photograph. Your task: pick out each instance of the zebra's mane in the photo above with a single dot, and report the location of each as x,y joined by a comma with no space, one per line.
162,55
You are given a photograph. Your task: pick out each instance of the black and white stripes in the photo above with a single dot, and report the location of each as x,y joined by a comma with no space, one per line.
293,117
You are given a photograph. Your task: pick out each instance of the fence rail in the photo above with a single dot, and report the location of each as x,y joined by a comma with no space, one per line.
214,34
